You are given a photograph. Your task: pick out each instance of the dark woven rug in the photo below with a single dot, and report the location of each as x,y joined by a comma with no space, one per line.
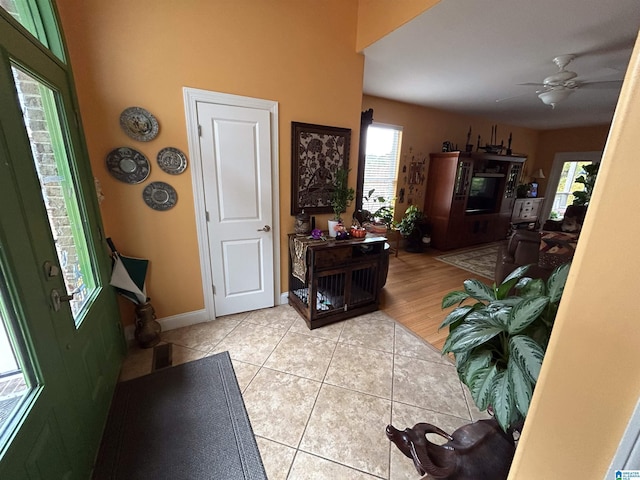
185,422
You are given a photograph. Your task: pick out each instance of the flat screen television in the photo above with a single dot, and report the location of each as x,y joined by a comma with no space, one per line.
483,195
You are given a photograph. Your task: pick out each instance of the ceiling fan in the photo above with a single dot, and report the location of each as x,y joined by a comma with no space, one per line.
560,85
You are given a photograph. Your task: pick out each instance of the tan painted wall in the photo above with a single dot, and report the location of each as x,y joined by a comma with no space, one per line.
377,18
424,130
583,139
300,54
590,379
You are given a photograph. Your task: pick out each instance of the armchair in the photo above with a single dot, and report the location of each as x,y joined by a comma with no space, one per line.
523,248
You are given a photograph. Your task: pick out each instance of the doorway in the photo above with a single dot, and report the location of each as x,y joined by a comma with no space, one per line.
233,147
567,166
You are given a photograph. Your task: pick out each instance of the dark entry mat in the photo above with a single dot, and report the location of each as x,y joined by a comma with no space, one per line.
184,422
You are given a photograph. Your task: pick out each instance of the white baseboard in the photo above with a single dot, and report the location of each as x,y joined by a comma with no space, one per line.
185,319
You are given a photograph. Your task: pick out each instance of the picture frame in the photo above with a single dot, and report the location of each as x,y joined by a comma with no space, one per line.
317,152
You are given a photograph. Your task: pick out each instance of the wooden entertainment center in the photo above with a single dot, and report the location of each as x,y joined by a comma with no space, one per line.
470,197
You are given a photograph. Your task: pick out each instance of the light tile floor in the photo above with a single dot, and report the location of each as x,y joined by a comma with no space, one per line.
319,400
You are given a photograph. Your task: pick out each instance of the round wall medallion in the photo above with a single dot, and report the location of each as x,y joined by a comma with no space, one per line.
160,196
139,124
172,160
128,165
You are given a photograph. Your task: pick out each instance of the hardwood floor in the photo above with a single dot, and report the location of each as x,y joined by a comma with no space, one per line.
413,293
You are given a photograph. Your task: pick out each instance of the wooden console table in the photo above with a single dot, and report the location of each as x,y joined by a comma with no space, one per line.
330,280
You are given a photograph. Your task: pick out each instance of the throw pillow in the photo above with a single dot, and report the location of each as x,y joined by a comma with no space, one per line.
570,224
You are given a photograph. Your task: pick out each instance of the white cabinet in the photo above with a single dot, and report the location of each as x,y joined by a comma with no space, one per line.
526,210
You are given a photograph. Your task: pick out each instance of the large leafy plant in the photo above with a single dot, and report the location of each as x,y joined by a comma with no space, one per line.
499,341
588,179
342,194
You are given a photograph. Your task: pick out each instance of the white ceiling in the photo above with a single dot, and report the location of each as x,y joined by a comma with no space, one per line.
463,55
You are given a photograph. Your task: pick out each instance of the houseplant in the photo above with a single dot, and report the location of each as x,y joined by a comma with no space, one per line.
409,228
588,179
341,198
383,214
499,341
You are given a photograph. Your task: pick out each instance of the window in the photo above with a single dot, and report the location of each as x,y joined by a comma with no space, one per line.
381,165
566,186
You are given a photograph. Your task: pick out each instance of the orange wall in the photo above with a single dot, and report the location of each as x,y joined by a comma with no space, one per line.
424,130
124,53
590,379
376,18
583,139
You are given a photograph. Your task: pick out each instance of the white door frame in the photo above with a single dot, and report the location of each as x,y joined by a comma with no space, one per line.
191,97
554,176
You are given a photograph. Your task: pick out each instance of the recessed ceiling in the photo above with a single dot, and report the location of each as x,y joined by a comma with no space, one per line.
464,55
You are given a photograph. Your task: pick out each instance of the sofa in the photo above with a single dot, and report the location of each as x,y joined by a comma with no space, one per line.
544,251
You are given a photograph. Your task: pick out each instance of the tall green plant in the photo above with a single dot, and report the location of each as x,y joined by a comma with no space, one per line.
342,194
588,179
409,223
499,341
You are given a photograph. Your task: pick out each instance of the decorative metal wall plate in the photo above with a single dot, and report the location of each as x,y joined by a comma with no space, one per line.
172,160
139,124
128,165
160,196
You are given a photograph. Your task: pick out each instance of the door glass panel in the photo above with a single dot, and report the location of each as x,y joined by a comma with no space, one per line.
58,188
13,383
566,186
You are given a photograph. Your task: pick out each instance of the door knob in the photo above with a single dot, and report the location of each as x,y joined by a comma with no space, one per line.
266,228
57,298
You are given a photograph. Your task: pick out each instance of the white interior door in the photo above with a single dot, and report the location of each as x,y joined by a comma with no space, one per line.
235,146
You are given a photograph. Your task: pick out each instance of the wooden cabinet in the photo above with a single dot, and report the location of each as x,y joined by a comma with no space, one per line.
526,210
470,197
335,279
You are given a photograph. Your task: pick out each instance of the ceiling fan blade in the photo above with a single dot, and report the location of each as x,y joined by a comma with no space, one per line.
601,85
511,97
532,84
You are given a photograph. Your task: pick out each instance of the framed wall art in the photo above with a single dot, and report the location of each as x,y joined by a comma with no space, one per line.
317,152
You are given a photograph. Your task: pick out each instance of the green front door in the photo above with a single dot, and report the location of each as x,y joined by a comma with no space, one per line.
59,314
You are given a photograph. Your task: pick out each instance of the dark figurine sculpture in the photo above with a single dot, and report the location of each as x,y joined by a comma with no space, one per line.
477,451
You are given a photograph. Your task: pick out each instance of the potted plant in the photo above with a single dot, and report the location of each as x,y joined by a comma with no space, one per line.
383,215
409,228
499,342
341,198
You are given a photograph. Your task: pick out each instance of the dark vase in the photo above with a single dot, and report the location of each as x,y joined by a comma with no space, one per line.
147,332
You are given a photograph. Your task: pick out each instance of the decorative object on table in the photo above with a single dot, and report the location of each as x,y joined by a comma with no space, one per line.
533,186
303,223
499,343
139,124
588,179
522,190
509,151
341,197
448,147
358,232
160,196
128,165
128,276
172,161
318,152
316,234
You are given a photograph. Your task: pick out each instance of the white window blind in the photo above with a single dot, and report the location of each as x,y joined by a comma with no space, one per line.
381,164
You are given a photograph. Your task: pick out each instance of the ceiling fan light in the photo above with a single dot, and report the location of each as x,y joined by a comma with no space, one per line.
560,77
551,97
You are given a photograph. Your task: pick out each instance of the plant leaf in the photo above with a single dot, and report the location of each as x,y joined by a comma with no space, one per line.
480,386
502,291
557,281
528,354
500,318
475,362
469,335
478,290
525,312
534,288
501,399
454,298
517,274
461,360
458,314
520,385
